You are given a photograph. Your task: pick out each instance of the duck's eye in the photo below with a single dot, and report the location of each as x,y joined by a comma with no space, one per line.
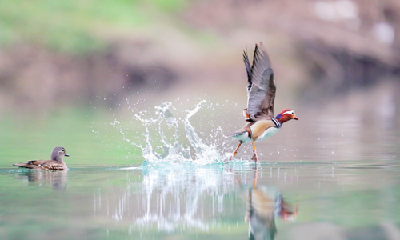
289,112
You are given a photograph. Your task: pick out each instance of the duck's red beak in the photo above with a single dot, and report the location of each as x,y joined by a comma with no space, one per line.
294,117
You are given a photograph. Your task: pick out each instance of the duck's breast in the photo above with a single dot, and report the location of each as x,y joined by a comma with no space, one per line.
263,129
267,133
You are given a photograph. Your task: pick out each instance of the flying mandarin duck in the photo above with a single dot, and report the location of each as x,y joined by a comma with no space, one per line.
261,123
56,162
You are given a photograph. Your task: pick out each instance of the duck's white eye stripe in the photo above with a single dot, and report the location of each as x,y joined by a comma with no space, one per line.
289,112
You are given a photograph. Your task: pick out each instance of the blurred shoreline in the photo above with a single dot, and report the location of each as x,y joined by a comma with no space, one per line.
317,48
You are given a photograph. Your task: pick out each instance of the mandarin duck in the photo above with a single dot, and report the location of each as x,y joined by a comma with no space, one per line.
56,162
261,123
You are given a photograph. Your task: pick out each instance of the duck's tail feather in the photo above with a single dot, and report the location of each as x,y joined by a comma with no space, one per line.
235,134
23,164
20,164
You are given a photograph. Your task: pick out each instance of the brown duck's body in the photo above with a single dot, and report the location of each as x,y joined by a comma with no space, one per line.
43,165
56,162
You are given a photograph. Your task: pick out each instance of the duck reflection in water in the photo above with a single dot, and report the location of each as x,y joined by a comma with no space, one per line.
264,203
56,179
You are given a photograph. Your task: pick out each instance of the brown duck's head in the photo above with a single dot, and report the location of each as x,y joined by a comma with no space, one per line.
58,153
286,115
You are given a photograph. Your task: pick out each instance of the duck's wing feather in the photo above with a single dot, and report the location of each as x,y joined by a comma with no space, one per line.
37,162
261,88
243,130
248,69
30,164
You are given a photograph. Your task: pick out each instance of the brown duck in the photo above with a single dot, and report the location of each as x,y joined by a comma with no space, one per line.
56,162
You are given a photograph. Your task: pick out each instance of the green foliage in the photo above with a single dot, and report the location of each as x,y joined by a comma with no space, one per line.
170,5
74,25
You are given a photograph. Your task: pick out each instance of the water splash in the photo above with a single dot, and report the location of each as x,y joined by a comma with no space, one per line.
173,151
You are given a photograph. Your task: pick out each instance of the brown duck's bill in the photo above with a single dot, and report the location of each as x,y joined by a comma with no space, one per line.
67,155
296,118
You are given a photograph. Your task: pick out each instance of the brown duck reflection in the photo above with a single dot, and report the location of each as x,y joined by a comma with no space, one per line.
56,179
264,203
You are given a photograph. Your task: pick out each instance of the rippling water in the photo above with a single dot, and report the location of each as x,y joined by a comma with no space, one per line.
160,172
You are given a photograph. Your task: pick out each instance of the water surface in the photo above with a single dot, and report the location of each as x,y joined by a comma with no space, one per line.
161,173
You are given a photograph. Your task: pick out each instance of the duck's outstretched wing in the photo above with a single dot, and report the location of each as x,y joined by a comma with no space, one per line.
261,88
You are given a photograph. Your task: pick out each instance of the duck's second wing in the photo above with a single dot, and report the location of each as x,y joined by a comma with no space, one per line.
261,89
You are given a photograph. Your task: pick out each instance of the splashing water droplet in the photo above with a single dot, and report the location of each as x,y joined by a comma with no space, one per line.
172,152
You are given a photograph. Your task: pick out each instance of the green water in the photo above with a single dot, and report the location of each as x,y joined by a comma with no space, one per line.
344,182
88,137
